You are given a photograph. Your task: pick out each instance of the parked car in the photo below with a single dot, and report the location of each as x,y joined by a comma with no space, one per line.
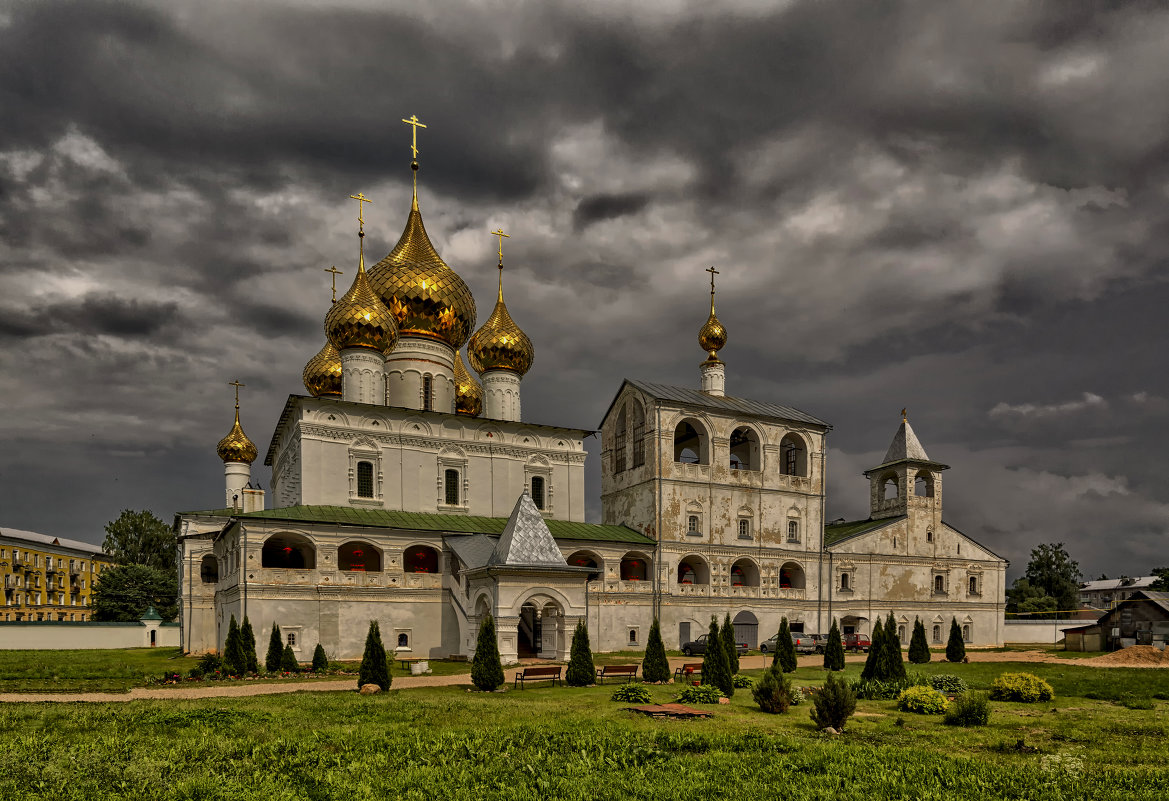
855,642
698,647
803,643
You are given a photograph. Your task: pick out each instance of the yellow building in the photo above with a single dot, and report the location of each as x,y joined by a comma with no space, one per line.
47,578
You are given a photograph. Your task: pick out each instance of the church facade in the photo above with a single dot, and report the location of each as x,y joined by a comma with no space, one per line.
409,492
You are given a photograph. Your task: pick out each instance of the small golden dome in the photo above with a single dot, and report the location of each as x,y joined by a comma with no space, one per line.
236,447
500,344
322,374
468,391
712,337
360,320
426,297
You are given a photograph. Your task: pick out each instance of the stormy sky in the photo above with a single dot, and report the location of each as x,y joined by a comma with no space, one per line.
962,208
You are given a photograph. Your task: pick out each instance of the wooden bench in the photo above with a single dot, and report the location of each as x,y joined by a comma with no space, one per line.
628,671
687,670
407,661
538,674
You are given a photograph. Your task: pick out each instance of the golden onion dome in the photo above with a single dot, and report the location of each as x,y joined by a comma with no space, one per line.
322,374
360,319
468,391
712,337
426,297
236,447
500,344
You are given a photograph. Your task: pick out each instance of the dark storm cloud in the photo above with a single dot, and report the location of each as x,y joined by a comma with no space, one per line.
91,314
606,207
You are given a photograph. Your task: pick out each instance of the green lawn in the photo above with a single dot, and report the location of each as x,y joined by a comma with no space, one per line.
575,743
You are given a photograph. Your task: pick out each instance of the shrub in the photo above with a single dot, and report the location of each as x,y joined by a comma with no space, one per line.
730,645
874,690
275,651
948,684
741,681
320,659
210,663
834,704
955,648
581,671
195,673
797,696
248,641
716,670
374,667
1023,687
968,709
921,700
876,653
486,669
702,694
655,666
233,651
919,649
894,663
834,650
785,649
773,693
288,662
631,694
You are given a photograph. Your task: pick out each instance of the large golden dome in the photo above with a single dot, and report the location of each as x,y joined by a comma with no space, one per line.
322,374
468,391
426,297
236,447
500,344
713,336
360,319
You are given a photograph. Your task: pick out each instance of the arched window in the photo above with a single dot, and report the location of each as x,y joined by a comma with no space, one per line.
939,585
538,492
619,443
420,559
209,570
791,576
692,525
937,633
633,636
586,559
744,573
689,445
289,551
793,531
403,640
793,456
744,449
427,393
965,632
923,485
638,412
889,487
901,631
744,528
929,536
359,556
634,567
451,487
693,570
365,479
974,585
292,638
844,581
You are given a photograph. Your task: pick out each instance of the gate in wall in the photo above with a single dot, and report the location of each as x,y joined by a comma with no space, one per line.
746,629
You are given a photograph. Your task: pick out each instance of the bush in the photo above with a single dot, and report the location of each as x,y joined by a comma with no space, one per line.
834,650
874,690
834,704
288,663
195,673
275,651
248,641
969,709
741,681
730,645
948,684
785,649
955,648
773,693
210,663
655,666
702,694
922,701
320,660
797,696
233,651
631,694
1026,688
581,671
716,669
919,649
374,667
894,662
876,654
486,669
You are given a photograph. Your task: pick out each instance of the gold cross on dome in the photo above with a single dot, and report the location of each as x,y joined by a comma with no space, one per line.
361,201
237,385
501,235
414,126
713,272
335,273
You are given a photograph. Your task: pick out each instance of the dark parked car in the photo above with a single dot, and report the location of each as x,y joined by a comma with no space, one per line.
698,647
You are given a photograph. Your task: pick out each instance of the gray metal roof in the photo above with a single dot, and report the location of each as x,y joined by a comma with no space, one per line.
473,550
49,540
526,540
694,397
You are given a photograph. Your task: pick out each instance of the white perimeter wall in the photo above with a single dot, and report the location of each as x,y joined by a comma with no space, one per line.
1047,632
45,636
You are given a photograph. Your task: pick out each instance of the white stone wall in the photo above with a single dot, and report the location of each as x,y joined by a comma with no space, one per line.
44,636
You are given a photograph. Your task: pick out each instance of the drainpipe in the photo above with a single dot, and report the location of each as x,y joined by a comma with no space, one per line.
657,586
244,568
823,547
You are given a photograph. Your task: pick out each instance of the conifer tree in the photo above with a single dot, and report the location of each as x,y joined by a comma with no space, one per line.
785,649
275,651
894,662
716,669
955,648
919,649
581,671
834,650
288,663
876,652
486,669
233,651
374,667
655,666
320,659
248,638
729,644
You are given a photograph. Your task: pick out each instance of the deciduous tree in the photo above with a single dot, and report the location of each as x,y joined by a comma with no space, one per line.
140,538
125,592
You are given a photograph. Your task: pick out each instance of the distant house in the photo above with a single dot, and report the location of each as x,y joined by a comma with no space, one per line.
1102,594
1140,619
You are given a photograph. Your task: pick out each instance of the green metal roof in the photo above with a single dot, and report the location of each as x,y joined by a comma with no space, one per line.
418,521
842,531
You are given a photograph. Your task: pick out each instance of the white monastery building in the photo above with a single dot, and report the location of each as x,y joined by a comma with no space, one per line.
408,492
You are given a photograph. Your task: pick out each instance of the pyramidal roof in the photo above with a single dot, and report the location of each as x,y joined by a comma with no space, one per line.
905,445
526,539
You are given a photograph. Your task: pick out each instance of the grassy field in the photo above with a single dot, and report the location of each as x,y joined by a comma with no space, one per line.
575,743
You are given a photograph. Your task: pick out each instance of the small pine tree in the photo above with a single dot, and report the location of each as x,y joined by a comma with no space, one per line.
894,662
655,666
773,692
249,642
486,669
275,651
729,644
834,650
288,663
785,649
955,648
581,671
233,651
716,668
374,667
834,704
320,659
919,649
876,652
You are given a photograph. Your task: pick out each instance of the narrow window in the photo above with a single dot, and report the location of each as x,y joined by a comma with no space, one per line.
538,492
638,434
427,393
966,633
619,444
365,479
793,531
929,536
844,581
901,632
939,585
633,636
452,487
692,524
403,641
973,585
744,529
937,633
292,638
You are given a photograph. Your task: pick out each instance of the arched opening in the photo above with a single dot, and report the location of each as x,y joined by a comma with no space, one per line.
746,629
965,632
619,442
744,573
923,484
689,444
844,579
937,633
420,559
744,449
538,492
693,570
929,536
209,569
633,636
359,556
791,576
589,560
403,640
889,487
634,567
793,455
939,585
289,551
637,411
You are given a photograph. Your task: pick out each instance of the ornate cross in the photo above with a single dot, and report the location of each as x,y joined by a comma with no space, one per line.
713,272
501,235
361,201
335,273
415,125
237,385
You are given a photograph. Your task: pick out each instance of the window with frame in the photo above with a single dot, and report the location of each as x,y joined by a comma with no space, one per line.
937,633
451,487
844,582
427,393
744,528
966,632
974,585
793,531
538,492
692,525
939,585
619,443
638,434
365,479
292,638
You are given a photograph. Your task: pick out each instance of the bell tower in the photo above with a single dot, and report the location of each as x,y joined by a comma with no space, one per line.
907,482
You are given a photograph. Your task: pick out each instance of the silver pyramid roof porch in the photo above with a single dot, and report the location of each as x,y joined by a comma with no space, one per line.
526,539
